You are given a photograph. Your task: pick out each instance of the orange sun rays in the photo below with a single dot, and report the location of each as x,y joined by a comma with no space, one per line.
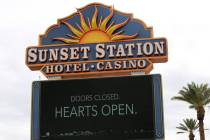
93,32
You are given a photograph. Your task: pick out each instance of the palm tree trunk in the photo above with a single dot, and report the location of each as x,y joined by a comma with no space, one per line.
200,116
201,130
191,136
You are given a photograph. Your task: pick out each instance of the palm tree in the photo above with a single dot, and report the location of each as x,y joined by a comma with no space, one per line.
198,96
189,126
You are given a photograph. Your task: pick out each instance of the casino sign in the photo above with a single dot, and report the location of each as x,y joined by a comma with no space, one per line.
95,41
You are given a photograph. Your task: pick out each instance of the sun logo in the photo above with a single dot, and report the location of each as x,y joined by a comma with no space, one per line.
93,32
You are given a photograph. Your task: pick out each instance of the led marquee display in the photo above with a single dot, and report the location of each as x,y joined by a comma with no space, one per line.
120,108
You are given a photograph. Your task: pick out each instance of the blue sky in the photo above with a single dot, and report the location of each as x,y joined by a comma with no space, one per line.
186,25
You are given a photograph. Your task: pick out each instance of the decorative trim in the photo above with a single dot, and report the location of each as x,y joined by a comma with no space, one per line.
159,125
35,114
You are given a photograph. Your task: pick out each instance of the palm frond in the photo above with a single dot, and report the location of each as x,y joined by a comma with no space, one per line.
188,125
180,132
194,94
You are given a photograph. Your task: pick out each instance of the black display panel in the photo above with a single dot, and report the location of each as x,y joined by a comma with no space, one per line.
121,108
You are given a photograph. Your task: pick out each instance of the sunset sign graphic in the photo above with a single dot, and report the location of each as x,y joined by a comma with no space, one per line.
96,41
